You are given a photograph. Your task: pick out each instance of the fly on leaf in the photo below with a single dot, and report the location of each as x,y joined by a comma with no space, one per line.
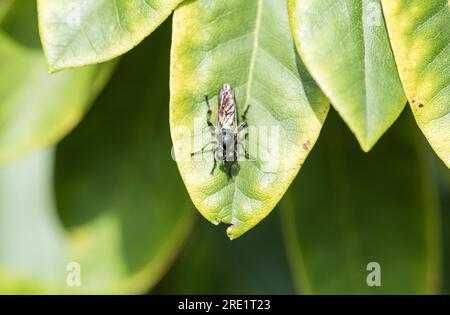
225,131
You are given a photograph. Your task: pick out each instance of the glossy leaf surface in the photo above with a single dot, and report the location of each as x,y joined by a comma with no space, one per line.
79,32
345,46
420,37
246,44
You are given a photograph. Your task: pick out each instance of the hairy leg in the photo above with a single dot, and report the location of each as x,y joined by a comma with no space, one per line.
247,155
203,149
215,163
244,124
208,116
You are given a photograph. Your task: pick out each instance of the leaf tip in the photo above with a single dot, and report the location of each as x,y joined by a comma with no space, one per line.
365,141
52,67
366,146
234,231
52,70
231,233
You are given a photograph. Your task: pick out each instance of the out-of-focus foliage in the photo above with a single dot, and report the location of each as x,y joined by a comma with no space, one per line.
122,211
36,108
116,181
348,209
4,7
256,264
442,178
33,246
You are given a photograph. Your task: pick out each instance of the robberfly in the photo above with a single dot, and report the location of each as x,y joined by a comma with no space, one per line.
226,142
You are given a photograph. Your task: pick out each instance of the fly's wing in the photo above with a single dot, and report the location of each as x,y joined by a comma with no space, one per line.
227,108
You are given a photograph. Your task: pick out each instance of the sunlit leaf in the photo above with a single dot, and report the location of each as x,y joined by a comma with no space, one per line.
79,32
109,214
420,37
349,209
4,7
36,108
248,45
33,253
345,46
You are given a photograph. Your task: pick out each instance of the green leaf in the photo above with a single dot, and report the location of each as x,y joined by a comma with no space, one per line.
442,178
349,209
36,108
33,253
248,45
79,32
113,218
19,21
420,37
4,7
200,268
345,46
107,169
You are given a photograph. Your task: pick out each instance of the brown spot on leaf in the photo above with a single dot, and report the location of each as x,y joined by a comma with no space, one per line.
306,145
420,105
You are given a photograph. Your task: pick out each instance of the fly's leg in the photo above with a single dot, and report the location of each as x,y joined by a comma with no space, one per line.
208,116
242,127
215,163
244,116
246,154
203,149
244,124
214,156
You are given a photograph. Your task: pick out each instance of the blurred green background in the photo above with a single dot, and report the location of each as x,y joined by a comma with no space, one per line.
109,197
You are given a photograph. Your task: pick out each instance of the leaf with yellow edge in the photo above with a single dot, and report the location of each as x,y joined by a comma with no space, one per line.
248,45
37,109
345,46
420,36
79,32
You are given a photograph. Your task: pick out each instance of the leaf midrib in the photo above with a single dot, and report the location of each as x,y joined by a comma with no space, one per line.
255,47
366,83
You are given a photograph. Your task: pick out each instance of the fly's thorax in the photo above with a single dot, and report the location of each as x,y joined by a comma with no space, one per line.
226,136
226,149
